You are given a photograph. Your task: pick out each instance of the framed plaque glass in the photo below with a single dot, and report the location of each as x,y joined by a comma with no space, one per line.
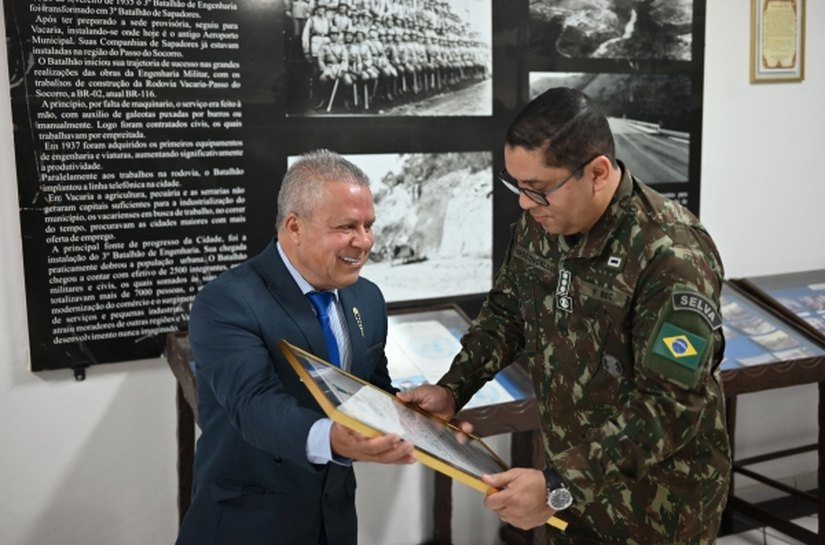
362,407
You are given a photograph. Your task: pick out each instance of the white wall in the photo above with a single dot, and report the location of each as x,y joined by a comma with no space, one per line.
762,200
94,462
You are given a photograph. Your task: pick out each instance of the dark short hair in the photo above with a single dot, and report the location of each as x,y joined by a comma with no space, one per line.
301,188
567,125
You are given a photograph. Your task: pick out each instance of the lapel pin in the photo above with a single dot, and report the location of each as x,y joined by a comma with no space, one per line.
358,320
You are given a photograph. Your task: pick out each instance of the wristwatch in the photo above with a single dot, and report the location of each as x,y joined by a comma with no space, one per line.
559,497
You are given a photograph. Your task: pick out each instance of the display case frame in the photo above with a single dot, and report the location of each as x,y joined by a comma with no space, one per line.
766,375
798,296
774,371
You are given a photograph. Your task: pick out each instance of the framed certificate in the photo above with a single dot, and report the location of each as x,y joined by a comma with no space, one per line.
362,407
777,40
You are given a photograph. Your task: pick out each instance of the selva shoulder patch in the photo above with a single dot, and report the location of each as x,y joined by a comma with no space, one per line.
701,305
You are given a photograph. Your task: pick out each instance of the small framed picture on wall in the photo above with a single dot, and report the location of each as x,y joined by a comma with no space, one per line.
777,40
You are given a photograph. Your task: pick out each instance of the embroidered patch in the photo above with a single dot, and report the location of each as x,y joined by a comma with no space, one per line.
701,305
679,346
603,294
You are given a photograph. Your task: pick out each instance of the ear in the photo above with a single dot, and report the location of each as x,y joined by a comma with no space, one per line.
601,171
292,228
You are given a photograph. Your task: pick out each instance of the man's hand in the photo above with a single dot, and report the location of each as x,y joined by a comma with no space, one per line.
437,400
520,500
384,449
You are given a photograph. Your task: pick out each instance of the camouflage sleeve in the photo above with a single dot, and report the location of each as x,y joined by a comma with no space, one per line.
493,341
677,345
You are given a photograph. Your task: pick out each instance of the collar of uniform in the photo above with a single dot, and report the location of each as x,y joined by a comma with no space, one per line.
593,243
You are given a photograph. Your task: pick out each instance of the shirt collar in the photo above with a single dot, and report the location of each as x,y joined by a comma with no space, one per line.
303,285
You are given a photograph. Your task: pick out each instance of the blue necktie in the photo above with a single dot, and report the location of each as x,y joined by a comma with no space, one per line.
321,300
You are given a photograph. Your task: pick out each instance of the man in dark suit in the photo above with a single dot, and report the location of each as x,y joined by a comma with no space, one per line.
269,468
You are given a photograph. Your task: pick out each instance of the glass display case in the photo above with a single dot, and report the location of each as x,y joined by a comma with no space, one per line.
769,345
800,295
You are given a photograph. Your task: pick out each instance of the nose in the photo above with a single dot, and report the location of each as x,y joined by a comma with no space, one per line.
525,202
362,238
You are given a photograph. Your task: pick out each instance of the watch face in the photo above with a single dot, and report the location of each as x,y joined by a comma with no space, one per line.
559,499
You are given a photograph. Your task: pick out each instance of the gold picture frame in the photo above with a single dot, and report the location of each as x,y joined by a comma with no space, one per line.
360,406
777,41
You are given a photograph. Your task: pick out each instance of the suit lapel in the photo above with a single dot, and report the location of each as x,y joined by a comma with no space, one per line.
355,324
297,308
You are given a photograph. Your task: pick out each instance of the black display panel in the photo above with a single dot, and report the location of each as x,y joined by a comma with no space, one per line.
151,135
644,62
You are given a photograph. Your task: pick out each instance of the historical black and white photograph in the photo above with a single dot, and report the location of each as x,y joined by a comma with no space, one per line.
383,57
434,223
612,29
649,115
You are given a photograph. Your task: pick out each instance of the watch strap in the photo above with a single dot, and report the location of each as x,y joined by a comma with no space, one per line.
553,479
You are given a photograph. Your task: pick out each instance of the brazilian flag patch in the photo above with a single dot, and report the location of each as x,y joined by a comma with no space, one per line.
679,346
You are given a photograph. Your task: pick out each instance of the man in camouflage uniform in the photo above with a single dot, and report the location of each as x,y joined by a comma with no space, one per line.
609,293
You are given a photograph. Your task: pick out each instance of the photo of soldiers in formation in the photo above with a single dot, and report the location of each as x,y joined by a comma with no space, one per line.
402,57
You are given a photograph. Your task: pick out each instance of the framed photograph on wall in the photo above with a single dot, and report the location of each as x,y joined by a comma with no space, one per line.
581,29
145,171
777,40
434,223
649,116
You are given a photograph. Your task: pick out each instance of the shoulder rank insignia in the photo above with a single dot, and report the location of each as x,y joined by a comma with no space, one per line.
614,262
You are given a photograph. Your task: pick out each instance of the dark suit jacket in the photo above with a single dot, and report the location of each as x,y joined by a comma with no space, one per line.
253,484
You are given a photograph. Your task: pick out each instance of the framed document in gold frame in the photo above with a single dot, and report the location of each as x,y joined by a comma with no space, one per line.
362,407
777,40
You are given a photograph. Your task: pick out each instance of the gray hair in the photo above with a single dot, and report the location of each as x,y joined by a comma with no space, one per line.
301,187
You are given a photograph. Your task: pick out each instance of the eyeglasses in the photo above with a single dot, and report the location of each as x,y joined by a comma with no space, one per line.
539,197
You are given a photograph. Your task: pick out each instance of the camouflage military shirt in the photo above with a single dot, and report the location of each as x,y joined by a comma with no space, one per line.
620,331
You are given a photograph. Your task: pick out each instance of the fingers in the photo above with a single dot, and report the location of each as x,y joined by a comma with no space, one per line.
465,430
385,449
465,426
518,497
434,399
499,481
389,449
420,396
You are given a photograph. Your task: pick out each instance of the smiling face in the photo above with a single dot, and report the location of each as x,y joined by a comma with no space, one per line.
331,245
